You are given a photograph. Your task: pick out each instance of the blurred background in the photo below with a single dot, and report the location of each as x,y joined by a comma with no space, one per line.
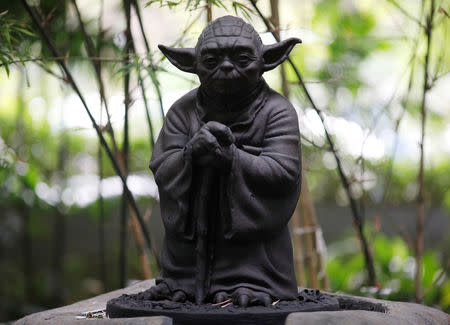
370,83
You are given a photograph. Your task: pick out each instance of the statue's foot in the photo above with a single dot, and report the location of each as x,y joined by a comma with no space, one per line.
244,297
162,292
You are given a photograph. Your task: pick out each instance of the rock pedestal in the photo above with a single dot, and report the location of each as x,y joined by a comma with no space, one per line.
78,313
355,310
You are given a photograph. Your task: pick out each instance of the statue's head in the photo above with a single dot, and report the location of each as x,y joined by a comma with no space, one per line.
229,57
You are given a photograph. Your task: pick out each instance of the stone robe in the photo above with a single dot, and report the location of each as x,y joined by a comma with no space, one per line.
248,205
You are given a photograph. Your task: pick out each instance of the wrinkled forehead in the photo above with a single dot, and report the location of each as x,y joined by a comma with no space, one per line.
228,32
229,43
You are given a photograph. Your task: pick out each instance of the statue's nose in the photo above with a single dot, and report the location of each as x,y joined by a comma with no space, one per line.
226,66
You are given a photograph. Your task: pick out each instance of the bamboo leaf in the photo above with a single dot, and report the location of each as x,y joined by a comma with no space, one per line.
5,64
25,31
245,10
7,36
149,3
219,4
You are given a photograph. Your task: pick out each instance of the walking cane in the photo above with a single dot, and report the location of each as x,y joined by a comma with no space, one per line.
202,233
224,139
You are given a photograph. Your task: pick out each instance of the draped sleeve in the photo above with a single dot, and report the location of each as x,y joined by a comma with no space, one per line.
265,180
171,165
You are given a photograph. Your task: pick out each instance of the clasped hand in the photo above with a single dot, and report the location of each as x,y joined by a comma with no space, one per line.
212,145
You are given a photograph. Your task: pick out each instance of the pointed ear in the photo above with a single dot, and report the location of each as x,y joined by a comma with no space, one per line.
275,54
182,58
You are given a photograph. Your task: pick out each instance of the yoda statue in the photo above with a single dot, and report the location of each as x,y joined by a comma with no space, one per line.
228,167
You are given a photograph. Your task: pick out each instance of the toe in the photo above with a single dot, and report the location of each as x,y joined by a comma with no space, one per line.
220,297
246,297
159,292
242,300
241,292
149,295
263,299
179,296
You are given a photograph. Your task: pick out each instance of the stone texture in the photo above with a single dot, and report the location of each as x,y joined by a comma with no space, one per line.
159,320
395,313
67,315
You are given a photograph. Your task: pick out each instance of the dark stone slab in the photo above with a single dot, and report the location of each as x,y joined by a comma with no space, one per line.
155,320
71,314
377,312
383,312
191,314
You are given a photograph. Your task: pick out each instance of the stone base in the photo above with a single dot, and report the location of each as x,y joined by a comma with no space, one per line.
220,314
385,313
78,313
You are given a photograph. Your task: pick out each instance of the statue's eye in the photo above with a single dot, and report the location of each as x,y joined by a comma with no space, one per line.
210,61
243,59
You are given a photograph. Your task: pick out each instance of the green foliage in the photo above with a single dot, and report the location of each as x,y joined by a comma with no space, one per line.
13,40
238,6
395,267
352,42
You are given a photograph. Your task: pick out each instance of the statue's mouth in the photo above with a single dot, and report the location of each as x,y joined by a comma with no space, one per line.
227,79
226,82
227,85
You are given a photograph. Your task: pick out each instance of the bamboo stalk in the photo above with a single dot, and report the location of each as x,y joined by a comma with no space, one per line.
23,209
140,245
140,79
125,147
142,252
299,257
298,247
27,256
101,224
102,139
101,208
420,194
305,208
98,72
295,220
149,56
209,16
59,221
308,217
137,233
67,58
358,222
59,234
275,19
147,111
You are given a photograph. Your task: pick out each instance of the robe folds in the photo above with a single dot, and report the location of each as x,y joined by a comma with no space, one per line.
248,205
